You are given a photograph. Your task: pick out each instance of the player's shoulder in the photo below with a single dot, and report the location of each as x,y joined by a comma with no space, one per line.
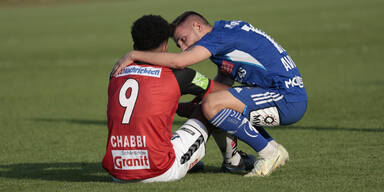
229,24
222,31
228,29
183,73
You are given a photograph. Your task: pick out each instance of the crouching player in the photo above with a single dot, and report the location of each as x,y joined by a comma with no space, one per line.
142,101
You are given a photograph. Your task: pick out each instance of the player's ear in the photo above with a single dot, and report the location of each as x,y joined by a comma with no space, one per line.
196,26
164,46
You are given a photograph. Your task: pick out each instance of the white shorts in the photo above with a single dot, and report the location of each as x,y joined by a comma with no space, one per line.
189,145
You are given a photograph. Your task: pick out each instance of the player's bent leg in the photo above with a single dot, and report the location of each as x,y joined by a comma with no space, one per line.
262,109
235,100
292,112
253,100
268,108
229,104
213,103
189,145
235,123
284,113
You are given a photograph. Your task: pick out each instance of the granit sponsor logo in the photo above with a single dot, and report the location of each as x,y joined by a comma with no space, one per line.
130,159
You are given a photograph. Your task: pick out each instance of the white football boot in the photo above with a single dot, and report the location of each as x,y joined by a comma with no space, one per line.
265,166
284,157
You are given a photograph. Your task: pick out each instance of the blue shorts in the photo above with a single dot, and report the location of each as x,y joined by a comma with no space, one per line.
268,107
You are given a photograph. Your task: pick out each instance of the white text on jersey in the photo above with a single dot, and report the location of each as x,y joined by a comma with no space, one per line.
143,71
130,159
294,82
288,62
128,141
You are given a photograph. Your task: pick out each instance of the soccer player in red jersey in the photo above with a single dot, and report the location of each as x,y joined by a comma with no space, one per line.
142,102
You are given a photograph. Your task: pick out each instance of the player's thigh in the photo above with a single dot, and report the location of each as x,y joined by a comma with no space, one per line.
189,146
291,112
268,107
217,101
261,105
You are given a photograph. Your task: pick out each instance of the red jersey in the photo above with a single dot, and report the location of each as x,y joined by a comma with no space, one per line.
142,102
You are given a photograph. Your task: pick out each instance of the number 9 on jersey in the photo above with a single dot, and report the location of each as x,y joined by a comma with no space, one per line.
128,102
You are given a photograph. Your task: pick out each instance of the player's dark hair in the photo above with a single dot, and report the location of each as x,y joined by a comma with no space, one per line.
180,19
149,31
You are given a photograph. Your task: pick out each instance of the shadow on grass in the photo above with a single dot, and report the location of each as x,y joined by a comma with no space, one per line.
179,123
73,172
72,121
68,172
320,128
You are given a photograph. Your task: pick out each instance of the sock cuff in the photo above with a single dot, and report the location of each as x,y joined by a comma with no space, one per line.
199,126
219,118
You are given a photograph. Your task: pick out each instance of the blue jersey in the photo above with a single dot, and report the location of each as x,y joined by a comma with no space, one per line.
251,57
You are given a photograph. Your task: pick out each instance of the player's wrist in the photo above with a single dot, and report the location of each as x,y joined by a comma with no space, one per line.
132,55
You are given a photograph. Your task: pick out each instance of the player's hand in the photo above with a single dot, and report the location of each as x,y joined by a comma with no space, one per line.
197,100
186,109
121,64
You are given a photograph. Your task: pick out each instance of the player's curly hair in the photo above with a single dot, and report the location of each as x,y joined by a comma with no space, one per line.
149,31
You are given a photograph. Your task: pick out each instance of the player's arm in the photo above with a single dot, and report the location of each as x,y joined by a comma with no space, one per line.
224,79
172,60
192,82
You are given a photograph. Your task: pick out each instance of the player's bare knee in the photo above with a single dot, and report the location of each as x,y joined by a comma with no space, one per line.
210,106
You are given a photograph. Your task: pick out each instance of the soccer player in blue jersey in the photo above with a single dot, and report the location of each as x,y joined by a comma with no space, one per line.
272,91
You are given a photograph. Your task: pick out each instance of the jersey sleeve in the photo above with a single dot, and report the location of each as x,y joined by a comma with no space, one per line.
210,42
217,40
192,82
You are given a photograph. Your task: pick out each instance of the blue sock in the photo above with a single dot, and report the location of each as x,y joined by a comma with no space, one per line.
264,133
236,124
260,129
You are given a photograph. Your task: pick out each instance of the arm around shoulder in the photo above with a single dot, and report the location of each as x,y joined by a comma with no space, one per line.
191,56
173,60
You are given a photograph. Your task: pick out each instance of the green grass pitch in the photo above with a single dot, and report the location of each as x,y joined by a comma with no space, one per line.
55,58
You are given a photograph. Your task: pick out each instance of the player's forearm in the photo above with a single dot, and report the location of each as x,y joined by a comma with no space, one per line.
172,60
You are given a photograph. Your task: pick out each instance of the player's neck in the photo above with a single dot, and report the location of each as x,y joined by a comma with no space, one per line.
207,29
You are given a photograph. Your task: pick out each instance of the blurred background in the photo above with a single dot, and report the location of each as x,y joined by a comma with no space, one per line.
55,59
